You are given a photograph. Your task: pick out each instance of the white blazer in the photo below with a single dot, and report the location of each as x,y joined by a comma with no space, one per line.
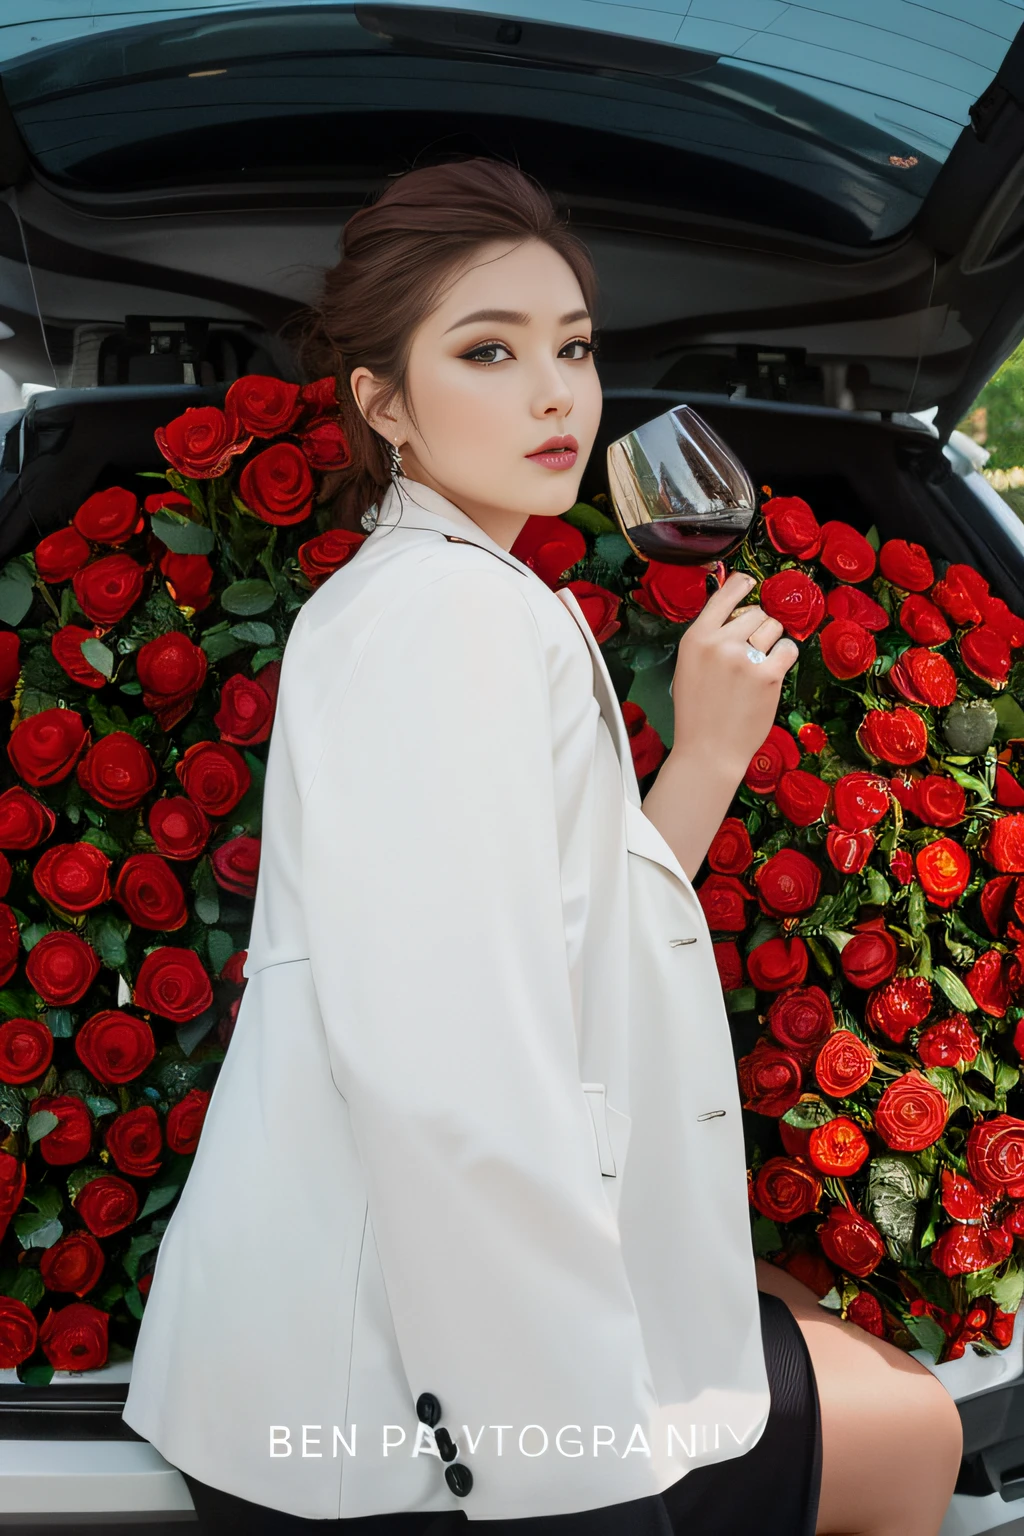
434,1178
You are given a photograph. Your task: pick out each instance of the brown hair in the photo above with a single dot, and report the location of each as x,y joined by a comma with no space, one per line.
398,255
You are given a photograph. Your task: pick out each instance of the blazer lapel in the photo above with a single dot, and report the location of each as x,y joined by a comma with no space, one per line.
604,690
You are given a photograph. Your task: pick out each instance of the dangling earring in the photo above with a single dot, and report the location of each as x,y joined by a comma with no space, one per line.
396,461
369,519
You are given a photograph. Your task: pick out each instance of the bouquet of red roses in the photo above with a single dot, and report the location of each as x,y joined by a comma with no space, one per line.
866,897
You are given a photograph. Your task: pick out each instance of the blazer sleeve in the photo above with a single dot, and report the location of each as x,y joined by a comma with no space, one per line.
431,882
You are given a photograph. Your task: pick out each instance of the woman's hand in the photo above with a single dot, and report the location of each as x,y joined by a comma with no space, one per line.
725,704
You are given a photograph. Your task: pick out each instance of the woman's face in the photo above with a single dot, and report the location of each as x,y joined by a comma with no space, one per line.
503,399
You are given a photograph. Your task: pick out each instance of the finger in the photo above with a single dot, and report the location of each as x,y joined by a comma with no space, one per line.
721,603
783,655
743,623
766,634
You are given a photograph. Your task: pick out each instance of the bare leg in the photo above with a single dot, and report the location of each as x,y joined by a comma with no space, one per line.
890,1432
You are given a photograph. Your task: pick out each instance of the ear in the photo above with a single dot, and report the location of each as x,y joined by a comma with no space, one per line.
366,391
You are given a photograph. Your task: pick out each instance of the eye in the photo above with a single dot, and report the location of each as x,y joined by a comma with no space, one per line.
578,349
487,352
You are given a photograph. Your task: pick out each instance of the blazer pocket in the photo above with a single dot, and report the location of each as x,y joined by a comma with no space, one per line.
611,1130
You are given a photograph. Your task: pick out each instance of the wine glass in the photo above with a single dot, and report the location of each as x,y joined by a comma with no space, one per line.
679,494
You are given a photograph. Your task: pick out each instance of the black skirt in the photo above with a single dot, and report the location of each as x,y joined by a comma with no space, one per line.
772,1488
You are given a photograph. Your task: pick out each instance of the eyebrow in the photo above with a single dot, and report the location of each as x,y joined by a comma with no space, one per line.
513,317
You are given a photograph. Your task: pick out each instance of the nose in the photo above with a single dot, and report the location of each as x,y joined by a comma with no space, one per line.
552,394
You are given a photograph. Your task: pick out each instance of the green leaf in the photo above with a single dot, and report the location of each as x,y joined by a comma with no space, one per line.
649,689
248,596
33,1230
12,1107
19,570
767,1238
99,656
969,781
741,1000
103,841
1010,717
252,632
41,1124
808,1113
190,1034
107,934
159,1196
259,658
45,1198
140,1245
181,534
928,1334
879,889
832,1300
100,1107
207,892
217,646
954,989
15,600
27,1286
131,686
613,549
1006,1077
60,1022
220,946
589,519
872,538
917,912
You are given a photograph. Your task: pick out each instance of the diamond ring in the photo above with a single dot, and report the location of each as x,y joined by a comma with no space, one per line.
755,655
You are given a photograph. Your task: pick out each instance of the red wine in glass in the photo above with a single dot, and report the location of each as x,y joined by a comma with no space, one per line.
679,494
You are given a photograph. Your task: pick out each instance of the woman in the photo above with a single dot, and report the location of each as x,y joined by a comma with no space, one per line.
481,1089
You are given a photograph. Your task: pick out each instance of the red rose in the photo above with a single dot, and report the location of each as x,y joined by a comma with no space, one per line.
859,800
1010,625
1009,791
43,748
997,900
319,397
906,565
646,745
791,526
676,592
895,735
839,1147
245,713
801,796
10,662
995,1156
185,1120
115,1047
845,602
326,446
109,517
26,1050
66,649
869,958
992,981
214,775
788,882
939,800
801,1020
962,1250
844,1063
71,1138
201,443
263,406
853,1243
74,1263
943,868
171,670
847,648
236,864
178,827
107,1205
321,556
960,593
845,552
549,546
1004,847
60,555
61,967
172,500
811,1270
731,851
784,1189
960,1198
600,608
723,899
729,963
923,622
776,753
902,865
117,771
134,1142
232,970
812,738
75,1338
911,1114
188,579
277,485
173,983
796,601
987,654
13,1177
270,679
866,1311
949,1043
898,1006
924,677
778,963
108,588
848,851
19,1334
73,876
770,1079
149,893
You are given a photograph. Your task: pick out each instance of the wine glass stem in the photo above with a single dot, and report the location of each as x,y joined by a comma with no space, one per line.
718,570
